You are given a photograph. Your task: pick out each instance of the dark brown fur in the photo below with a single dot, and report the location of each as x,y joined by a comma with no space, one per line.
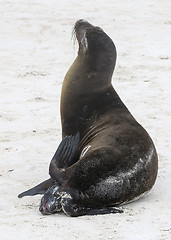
121,161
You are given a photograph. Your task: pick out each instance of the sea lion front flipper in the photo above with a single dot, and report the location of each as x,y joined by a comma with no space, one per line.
64,156
103,210
66,151
38,189
76,211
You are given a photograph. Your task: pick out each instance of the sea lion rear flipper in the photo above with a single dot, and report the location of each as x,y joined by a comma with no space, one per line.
64,155
39,189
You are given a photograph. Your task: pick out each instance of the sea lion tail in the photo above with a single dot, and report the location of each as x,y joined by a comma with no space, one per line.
38,189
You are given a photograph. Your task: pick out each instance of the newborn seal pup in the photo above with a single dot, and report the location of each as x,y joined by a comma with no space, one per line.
106,158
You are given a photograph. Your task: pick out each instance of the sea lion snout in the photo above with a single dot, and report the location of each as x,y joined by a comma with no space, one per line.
80,29
50,203
80,21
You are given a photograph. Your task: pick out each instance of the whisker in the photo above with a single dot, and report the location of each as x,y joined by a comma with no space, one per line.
73,37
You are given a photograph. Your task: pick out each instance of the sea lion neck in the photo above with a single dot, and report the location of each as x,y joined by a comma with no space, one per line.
84,76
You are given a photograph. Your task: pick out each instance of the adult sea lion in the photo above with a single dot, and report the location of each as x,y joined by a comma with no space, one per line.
106,158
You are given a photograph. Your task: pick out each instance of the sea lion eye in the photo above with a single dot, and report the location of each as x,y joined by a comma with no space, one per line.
75,207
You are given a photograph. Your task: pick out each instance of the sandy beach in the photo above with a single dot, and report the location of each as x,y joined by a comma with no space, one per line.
36,50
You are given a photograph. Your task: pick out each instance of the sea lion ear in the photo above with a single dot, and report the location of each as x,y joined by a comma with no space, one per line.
98,28
39,189
65,153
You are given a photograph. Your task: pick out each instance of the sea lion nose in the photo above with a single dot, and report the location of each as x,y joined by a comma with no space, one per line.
81,21
44,210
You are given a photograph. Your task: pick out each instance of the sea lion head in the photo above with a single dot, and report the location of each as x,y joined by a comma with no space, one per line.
96,48
50,202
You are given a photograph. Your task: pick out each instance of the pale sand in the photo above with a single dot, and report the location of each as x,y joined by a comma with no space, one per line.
35,52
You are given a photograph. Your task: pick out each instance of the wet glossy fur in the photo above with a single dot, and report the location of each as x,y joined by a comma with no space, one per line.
116,160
